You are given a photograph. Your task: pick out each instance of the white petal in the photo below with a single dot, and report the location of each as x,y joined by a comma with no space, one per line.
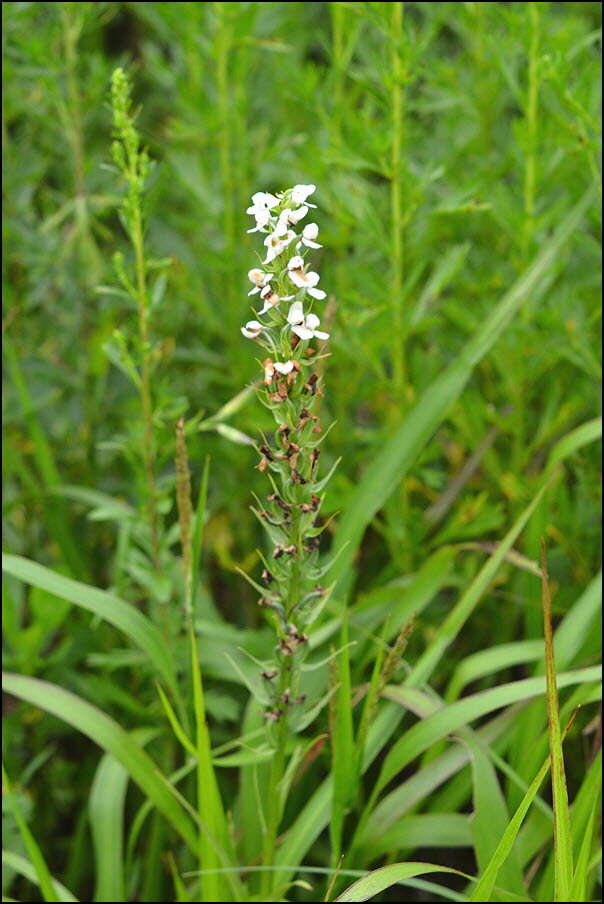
310,244
321,335
312,278
254,290
252,329
298,278
296,313
301,192
312,321
295,263
310,231
284,368
303,332
317,293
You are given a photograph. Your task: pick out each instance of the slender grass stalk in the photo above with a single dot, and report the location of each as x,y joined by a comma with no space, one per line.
396,227
135,166
531,118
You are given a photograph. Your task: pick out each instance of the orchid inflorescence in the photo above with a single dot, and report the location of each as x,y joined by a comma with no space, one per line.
285,326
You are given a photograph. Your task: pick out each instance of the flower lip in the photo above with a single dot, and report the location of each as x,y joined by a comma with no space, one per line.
252,329
301,192
309,236
259,278
304,327
271,299
276,242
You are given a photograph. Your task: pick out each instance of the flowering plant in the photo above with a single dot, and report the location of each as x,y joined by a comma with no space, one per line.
284,327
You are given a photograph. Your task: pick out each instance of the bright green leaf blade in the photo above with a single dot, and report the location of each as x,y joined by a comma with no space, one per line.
485,886
106,811
380,879
109,607
22,866
398,454
563,845
42,873
447,720
490,817
111,737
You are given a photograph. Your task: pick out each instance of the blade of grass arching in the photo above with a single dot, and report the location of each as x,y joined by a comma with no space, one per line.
569,636
54,508
450,718
105,732
315,815
26,869
450,628
400,451
109,607
213,834
488,662
490,817
200,516
106,811
589,791
585,433
387,876
342,748
579,890
486,884
43,877
448,830
563,850
422,783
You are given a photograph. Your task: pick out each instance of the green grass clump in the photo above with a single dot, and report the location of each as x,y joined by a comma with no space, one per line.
456,154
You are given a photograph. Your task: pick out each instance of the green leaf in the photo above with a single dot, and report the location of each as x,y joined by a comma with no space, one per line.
490,817
109,607
380,879
485,886
105,732
563,845
397,455
106,810
447,720
27,870
42,873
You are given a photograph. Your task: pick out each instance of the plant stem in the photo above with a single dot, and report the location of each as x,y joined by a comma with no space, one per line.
397,251
273,816
531,137
145,391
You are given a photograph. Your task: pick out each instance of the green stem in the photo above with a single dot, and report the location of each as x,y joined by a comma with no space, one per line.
398,348
145,391
273,803
531,126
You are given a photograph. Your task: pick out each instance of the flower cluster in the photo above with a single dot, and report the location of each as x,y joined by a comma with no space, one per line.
285,326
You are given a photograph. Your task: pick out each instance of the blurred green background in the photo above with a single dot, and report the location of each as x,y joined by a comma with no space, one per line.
499,136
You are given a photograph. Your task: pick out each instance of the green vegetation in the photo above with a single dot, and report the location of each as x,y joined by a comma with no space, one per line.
448,743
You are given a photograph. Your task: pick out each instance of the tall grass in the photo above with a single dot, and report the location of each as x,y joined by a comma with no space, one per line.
456,152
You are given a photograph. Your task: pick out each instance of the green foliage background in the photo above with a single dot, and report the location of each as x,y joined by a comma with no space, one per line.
426,221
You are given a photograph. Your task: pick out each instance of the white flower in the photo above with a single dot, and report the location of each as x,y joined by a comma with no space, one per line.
302,279
300,193
277,367
284,367
259,278
271,299
289,217
304,327
252,329
309,236
262,203
277,241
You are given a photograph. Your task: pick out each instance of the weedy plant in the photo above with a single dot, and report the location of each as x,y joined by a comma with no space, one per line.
290,385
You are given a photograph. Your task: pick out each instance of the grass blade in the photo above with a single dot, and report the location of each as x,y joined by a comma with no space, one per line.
109,607
26,869
106,810
105,732
563,850
400,451
43,877
380,879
